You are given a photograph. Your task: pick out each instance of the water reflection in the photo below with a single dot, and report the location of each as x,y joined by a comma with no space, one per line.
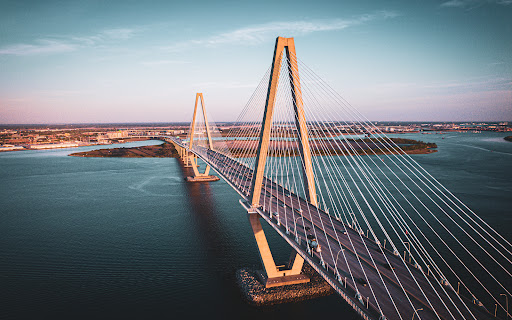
213,233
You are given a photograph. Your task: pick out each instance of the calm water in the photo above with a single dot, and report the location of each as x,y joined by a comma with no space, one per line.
128,238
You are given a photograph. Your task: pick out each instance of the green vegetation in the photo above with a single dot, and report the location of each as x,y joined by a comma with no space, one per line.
404,144
366,146
164,150
167,150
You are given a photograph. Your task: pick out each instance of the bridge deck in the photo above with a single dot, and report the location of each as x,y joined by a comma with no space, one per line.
410,287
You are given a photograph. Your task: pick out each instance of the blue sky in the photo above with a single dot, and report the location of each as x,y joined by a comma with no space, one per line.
143,61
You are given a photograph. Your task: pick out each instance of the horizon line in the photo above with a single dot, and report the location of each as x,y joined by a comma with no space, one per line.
218,122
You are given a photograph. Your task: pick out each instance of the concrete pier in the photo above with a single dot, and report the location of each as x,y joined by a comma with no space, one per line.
202,179
255,293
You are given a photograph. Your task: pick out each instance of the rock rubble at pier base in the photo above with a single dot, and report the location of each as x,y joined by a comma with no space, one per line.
256,294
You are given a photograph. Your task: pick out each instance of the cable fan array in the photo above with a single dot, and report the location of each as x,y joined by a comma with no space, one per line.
367,184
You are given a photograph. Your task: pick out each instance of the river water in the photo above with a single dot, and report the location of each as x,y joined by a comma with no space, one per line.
128,238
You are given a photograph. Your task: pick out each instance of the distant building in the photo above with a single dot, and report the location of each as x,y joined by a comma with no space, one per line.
10,147
117,134
53,145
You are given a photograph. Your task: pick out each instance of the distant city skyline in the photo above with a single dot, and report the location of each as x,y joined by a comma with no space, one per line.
127,61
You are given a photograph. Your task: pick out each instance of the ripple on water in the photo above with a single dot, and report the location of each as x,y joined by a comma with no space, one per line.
127,238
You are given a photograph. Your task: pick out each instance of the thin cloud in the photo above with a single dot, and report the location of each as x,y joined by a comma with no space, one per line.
454,3
41,46
107,35
483,84
53,45
120,33
257,34
470,4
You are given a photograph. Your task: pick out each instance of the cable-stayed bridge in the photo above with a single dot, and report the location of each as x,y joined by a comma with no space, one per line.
384,233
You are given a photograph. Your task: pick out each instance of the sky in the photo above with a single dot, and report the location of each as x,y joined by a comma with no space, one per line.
143,61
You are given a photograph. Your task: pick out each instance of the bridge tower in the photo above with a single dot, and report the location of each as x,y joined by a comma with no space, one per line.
278,276
189,158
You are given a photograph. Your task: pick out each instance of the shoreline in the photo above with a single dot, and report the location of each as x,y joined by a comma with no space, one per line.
41,146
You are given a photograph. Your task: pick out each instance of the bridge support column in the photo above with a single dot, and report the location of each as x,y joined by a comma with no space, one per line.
198,176
188,159
275,276
287,46
184,155
191,157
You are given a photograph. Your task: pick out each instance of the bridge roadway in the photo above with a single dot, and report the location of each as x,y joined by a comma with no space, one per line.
330,233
